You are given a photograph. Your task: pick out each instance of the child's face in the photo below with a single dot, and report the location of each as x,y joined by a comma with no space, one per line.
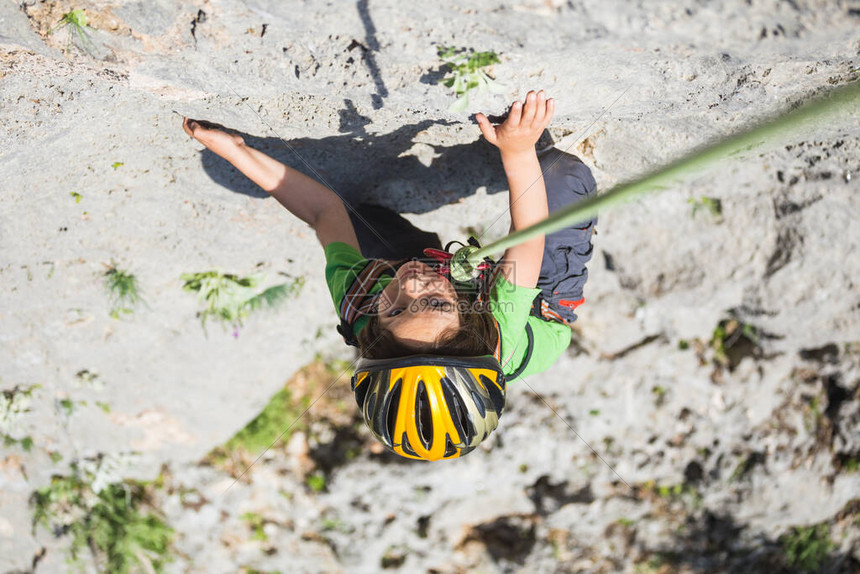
418,305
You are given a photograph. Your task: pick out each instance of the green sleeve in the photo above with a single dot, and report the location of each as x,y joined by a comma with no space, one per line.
342,264
551,339
511,306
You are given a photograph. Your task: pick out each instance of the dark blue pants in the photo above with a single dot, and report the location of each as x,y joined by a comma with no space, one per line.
563,272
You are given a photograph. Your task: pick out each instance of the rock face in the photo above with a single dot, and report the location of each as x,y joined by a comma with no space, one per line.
706,418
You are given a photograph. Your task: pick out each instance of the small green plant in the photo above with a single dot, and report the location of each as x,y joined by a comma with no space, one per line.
78,25
230,298
110,522
813,417
594,412
745,465
729,334
674,491
316,481
14,404
626,522
335,524
256,523
67,405
282,416
116,165
465,73
89,380
78,197
123,291
26,442
103,406
278,419
712,204
683,493
683,344
659,393
807,547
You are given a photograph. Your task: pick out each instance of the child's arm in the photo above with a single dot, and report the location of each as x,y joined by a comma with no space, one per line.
304,197
515,139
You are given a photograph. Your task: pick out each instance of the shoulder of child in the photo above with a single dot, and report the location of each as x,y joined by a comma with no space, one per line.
506,297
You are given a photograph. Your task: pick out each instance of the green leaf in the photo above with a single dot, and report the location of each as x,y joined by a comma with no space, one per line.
466,73
483,59
230,298
460,105
68,406
77,18
274,296
316,482
123,291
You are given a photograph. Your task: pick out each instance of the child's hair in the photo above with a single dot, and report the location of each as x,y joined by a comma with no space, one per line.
477,336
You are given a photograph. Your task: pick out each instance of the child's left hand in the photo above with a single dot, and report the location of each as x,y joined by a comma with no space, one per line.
212,135
524,124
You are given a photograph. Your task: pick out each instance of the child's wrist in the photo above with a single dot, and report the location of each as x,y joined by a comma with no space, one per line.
518,158
518,153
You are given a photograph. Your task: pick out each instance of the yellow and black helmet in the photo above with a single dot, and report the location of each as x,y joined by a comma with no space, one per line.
430,407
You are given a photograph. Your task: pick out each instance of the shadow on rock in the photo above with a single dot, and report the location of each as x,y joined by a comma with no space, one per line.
382,169
548,497
507,538
712,543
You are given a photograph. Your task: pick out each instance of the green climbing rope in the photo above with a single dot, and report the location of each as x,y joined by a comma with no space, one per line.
836,100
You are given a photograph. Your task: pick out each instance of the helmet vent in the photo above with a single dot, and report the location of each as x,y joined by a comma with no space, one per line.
407,448
496,396
479,402
371,402
361,392
450,449
425,416
389,407
457,410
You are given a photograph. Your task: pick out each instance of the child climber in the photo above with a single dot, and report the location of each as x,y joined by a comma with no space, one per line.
436,355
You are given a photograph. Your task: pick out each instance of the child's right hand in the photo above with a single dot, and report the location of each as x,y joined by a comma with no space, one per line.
524,124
